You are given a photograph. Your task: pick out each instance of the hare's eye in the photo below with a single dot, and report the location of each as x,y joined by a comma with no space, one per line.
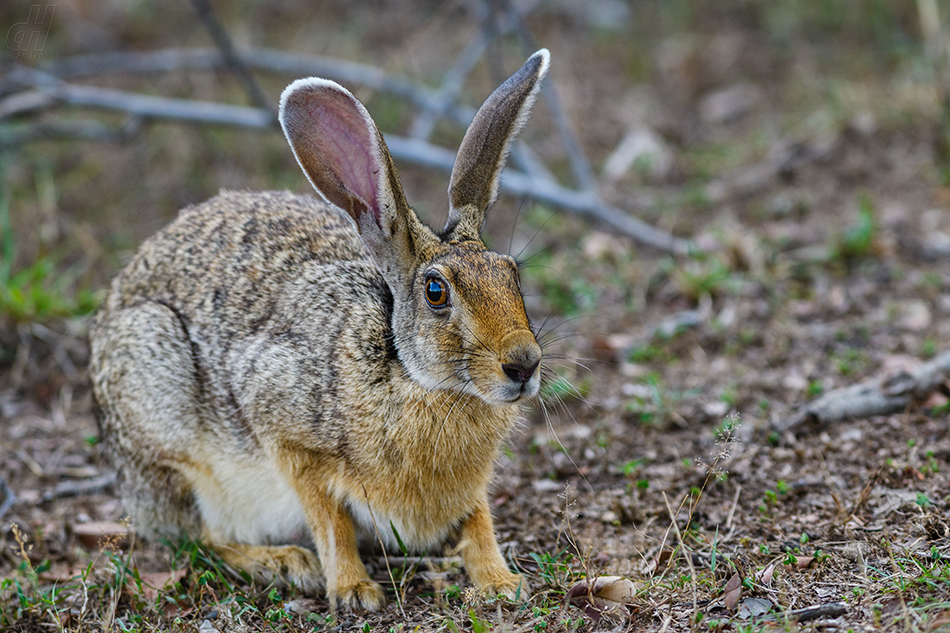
436,293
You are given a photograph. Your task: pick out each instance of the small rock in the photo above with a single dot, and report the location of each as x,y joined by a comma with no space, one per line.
914,315
610,517
729,104
640,145
852,435
716,409
546,485
795,382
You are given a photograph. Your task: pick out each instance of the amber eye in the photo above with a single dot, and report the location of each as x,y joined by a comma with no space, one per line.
436,293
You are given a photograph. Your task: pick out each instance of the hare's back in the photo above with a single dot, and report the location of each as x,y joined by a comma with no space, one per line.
237,243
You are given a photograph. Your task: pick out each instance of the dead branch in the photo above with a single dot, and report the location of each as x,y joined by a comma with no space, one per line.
585,204
830,610
9,498
278,62
147,106
452,85
580,165
876,397
76,488
16,136
223,41
263,59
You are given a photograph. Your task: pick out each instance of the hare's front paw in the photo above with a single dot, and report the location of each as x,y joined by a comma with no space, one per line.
512,586
363,593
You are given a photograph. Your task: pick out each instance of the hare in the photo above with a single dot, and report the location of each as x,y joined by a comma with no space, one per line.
275,374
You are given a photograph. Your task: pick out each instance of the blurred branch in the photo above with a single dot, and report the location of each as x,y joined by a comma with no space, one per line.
281,62
265,59
45,88
137,104
452,85
14,136
939,58
518,183
223,41
580,165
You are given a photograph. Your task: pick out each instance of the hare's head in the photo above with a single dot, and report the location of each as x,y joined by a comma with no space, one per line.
459,320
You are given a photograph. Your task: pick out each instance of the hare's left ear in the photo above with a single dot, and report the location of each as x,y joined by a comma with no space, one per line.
473,186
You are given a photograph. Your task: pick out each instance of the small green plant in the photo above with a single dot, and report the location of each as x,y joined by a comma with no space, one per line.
554,569
631,467
815,388
36,292
703,275
859,240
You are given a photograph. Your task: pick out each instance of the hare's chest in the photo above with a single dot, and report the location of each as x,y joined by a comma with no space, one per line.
415,508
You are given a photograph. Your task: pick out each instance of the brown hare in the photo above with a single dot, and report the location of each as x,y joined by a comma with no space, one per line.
274,374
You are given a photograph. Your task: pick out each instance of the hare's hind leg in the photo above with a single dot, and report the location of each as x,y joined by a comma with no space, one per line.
146,396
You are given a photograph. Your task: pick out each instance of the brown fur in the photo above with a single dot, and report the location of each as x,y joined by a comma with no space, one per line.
270,373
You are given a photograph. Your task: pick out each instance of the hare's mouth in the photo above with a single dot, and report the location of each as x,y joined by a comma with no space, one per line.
515,390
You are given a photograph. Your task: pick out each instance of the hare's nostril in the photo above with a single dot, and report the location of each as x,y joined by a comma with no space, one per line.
519,373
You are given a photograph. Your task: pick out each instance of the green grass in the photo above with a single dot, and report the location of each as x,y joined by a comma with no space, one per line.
858,241
37,291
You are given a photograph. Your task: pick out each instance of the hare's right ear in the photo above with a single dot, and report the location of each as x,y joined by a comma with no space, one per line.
473,186
346,160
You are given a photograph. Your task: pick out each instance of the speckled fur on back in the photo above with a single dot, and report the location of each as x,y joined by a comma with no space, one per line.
273,375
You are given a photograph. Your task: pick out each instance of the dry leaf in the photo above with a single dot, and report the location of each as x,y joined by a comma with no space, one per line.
764,576
753,608
733,592
102,534
62,574
803,562
153,582
603,596
302,606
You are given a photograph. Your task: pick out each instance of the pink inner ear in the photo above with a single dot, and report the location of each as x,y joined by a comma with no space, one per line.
345,144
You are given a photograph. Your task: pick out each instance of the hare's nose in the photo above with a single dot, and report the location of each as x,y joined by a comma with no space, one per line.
520,373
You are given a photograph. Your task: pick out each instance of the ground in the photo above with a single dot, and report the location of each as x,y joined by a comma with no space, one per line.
798,145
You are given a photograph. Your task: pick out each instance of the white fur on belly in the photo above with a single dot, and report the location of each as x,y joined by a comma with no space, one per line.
249,502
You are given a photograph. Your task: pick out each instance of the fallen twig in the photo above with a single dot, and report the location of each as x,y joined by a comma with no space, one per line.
77,487
830,610
8,497
876,397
